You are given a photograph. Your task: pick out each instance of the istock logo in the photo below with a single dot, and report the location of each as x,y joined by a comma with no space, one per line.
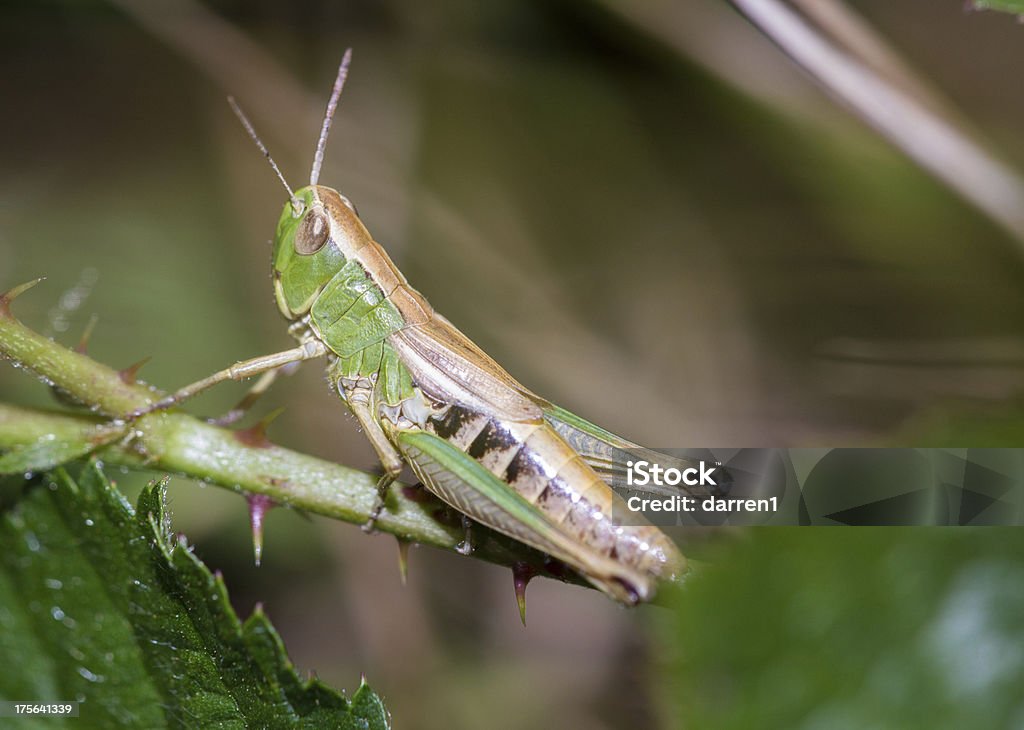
644,473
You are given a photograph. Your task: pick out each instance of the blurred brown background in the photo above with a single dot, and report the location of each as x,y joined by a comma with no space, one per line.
643,210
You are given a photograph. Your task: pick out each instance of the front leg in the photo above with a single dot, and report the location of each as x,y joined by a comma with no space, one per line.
239,371
360,400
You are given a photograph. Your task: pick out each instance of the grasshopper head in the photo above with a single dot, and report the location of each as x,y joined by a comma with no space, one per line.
316,235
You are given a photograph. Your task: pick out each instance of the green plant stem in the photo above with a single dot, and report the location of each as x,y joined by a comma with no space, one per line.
243,461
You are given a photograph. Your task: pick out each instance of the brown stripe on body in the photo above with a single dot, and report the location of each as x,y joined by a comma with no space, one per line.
357,243
645,547
414,308
528,473
547,472
459,426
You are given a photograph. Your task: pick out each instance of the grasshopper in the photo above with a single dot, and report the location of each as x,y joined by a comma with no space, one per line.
425,395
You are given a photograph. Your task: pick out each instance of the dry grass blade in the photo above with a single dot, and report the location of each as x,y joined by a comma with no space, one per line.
935,143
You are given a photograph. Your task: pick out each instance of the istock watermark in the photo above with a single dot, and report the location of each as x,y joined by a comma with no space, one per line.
708,504
698,486
680,486
821,486
643,473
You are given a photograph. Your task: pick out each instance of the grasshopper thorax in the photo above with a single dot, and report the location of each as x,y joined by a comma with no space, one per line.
317,234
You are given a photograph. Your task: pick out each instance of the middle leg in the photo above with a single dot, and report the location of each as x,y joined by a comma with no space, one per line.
360,401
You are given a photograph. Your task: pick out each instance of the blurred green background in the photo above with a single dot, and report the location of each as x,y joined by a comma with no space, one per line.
647,214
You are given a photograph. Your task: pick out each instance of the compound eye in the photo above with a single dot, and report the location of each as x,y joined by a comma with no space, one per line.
313,232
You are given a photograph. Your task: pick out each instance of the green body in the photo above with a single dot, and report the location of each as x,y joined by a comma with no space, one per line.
425,395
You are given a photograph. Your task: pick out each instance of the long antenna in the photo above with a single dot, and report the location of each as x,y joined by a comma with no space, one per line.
296,203
332,104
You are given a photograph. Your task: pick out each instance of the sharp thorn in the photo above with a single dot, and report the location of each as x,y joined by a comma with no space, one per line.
83,342
271,417
241,408
129,374
259,505
9,296
256,435
522,573
403,559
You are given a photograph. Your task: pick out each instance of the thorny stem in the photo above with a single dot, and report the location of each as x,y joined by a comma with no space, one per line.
178,443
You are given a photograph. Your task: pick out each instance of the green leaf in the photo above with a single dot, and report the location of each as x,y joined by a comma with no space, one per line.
43,454
101,604
883,628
